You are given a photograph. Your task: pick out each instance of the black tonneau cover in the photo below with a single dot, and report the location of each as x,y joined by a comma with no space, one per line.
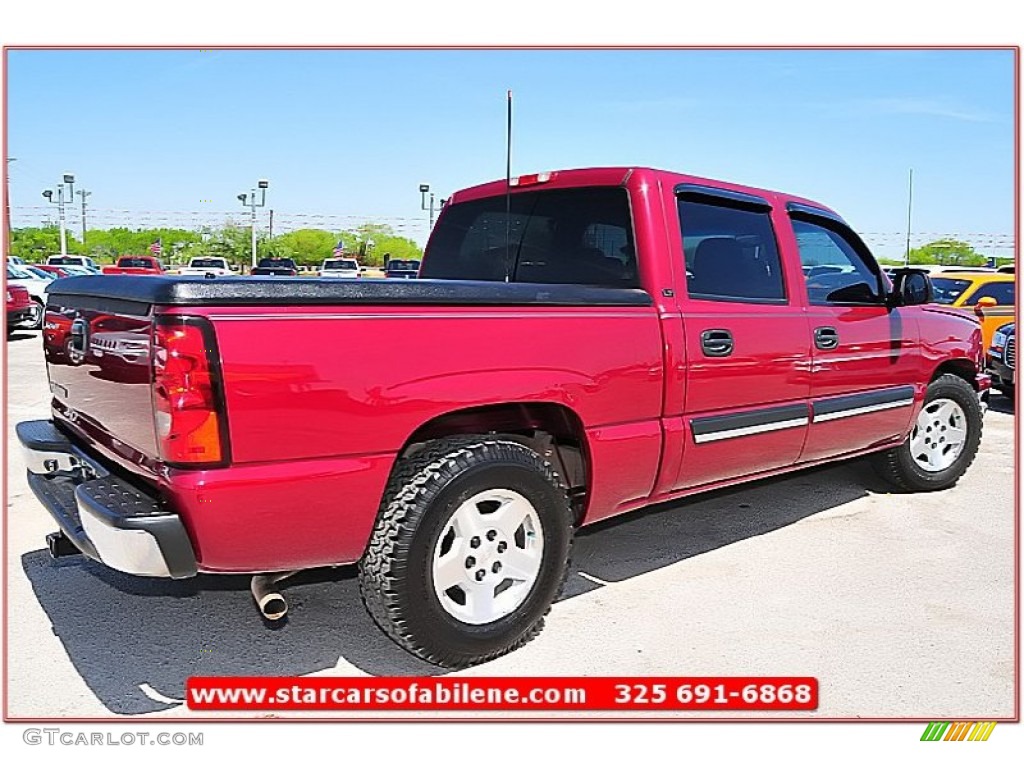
271,291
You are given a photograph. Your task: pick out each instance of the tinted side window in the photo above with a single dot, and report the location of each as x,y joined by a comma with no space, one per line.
582,236
834,271
731,254
1003,293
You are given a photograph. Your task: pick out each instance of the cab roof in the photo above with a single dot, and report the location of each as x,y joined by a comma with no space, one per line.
615,176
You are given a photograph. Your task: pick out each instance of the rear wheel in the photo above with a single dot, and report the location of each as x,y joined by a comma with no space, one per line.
469,551
943,441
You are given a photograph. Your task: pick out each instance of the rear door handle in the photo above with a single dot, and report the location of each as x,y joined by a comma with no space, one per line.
716,343
826,337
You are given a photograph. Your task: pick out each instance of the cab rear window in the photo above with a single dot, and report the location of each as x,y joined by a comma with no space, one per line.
580,236
139,262
340,264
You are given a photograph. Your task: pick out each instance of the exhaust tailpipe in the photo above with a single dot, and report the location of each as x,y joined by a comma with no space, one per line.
269,600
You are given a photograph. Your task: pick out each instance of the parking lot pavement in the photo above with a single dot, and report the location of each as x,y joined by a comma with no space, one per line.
901,605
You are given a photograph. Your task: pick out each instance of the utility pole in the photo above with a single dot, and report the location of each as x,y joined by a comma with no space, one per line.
82,193
69,180
271,223
250,200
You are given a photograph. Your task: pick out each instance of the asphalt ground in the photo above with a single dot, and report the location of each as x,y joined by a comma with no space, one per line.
902,605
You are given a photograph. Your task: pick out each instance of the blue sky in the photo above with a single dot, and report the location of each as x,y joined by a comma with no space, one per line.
347,136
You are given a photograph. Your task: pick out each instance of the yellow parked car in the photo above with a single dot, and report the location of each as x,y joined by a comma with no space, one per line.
989,295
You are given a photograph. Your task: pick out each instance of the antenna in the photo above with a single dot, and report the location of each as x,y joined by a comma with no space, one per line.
508,193
910,201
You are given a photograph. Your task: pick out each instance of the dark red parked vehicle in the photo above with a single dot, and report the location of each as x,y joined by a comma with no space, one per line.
19,306
53,269
135,265
597,341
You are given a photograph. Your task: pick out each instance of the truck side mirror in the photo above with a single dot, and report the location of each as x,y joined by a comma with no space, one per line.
910,287
985,302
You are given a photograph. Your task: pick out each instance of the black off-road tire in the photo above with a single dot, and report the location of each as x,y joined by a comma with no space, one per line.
898,466
395,574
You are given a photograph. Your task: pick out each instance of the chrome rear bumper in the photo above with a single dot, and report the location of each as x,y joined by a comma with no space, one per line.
107,518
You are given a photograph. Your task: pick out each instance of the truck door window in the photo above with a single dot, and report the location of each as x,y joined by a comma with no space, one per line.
730,253
835,271
581,236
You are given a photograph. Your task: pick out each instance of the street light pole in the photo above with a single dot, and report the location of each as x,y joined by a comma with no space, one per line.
250,200
424,189
69,180
7,198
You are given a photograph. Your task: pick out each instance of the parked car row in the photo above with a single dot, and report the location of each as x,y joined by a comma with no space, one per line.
37,290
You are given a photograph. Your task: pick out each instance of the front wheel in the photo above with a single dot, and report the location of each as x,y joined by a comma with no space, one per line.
469,551
34,320
943,441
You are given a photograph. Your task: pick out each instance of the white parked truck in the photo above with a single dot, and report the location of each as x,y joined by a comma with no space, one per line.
207,265
340,268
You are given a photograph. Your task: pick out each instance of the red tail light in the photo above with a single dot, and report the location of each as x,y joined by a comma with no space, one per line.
187,393
530,179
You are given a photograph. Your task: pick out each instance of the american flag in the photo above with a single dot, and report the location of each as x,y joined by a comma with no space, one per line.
339,250
156,248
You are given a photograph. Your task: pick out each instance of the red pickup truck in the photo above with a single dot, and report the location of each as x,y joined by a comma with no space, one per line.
135,265
19,306
583,343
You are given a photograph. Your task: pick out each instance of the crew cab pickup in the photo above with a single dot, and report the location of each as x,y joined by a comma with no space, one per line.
588,342
135,265
207,265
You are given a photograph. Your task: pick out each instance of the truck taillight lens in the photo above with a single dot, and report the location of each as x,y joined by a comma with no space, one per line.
531,179
188,395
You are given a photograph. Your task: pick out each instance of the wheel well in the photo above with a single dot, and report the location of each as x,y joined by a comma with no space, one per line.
554,431
963,368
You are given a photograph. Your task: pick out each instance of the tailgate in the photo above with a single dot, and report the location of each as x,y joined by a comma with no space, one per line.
98,361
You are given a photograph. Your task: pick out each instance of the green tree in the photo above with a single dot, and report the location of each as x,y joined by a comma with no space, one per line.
948,253
109,244
38,243
384,241
231,242
309,247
